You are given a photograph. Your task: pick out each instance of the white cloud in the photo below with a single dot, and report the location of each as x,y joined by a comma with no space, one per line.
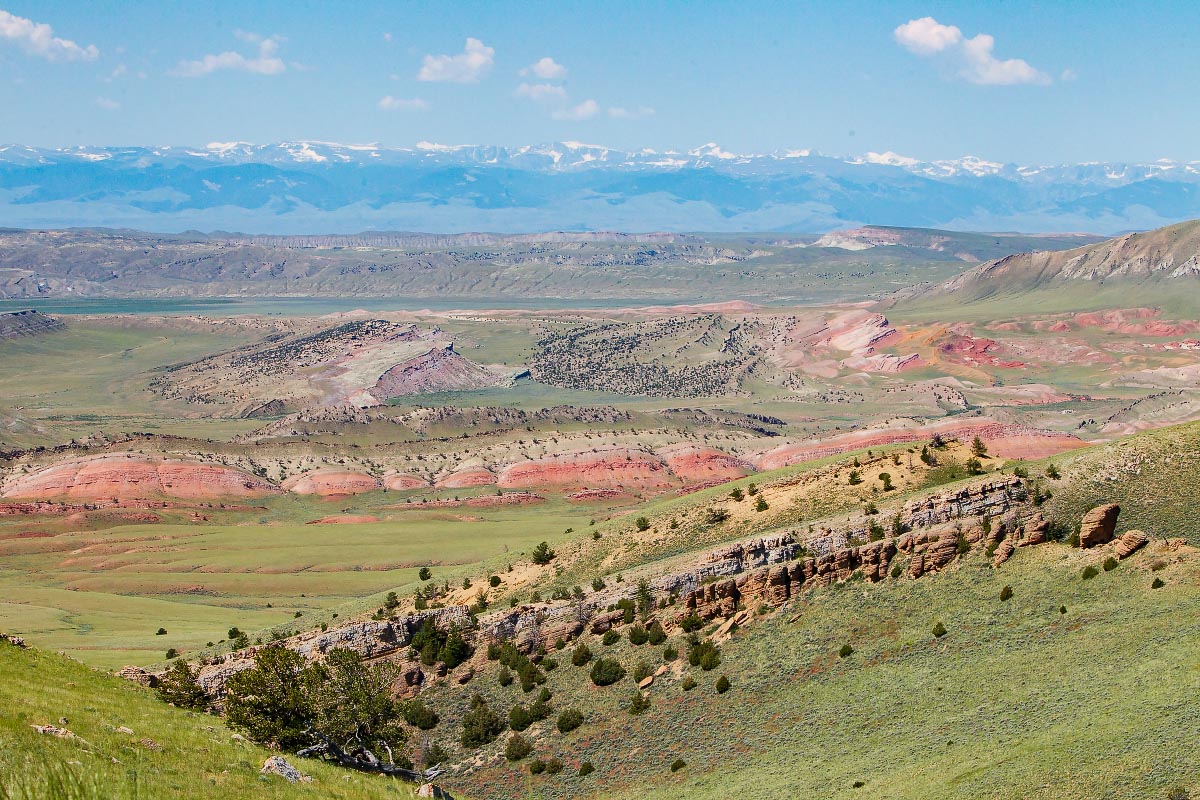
267,62
118,72
387,36
616,112
390,103
467,67
37,38
585,110
542,91
971,59
545,68
107,103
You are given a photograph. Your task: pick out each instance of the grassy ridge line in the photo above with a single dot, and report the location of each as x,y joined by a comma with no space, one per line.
1017,701
172,753
692,538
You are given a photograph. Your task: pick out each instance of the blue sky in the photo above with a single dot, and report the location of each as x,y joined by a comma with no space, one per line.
1056,81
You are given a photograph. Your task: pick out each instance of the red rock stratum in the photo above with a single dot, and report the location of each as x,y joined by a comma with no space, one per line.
131,477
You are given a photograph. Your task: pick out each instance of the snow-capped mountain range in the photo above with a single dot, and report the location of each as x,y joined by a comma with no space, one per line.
297,187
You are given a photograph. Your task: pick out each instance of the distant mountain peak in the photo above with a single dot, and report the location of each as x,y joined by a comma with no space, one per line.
310,185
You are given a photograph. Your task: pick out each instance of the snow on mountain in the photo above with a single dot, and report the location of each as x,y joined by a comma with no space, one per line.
295,187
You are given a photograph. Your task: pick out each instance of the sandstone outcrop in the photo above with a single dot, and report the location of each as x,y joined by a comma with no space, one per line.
400,482
690,463
438,370
466,478
135,477
729,583
1098,525
611,468
1129,543
330,482
16,324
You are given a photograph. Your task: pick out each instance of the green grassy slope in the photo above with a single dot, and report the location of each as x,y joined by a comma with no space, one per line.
171,753
1017,701
1155,476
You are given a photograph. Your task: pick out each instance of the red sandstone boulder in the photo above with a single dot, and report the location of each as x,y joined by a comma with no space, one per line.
1098,525
1130,542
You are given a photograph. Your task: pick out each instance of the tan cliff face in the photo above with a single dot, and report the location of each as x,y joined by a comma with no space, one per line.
770,569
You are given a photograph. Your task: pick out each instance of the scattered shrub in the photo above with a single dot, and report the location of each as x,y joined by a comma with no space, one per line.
542,554
639,703
689,683
425,574
161,632
678,764
494,581
607,671
481,725
656,634
505,676
537,767
705,655
722,685
670,654
691,623
638,635
716,516
761,504
517,748
419,715
172,652
1062,609
855,477
1110,564
1052,473
598,584
1090,572
1006,593
737,494
1157,583
642,523
435,754
641,671
586,769
939,630
569,720
846,651
611,637
554,766
896,570
179,687
581,655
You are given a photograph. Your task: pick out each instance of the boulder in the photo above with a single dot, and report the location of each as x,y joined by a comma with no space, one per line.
1037,531
1003,552
278,765
1098,525
1130,542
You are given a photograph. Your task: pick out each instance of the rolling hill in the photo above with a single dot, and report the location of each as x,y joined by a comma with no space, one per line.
1160,266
